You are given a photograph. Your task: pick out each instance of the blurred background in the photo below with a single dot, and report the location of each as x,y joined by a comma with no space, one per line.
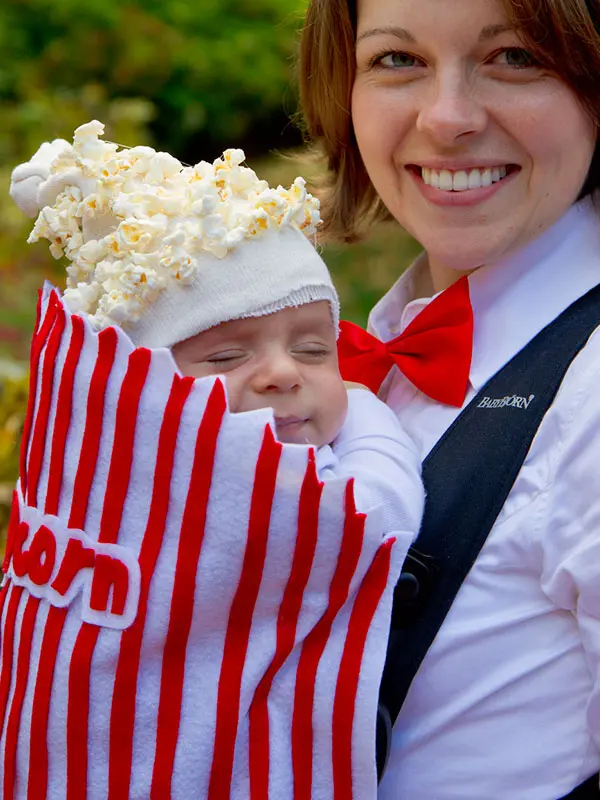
191,78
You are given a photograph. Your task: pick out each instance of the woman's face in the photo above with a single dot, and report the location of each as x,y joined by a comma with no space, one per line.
473,147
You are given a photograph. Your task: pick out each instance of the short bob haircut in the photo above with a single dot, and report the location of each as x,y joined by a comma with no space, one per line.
564,35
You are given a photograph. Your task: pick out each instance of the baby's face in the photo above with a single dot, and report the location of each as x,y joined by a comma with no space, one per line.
286,361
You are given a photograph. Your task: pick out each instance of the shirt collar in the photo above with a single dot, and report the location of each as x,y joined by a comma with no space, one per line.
400,305
514,298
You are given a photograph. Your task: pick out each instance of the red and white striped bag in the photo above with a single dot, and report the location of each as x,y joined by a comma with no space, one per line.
187,611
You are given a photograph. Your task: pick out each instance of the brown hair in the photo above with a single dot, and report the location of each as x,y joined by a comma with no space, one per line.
564,35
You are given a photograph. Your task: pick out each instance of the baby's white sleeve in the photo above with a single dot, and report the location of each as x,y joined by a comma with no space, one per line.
373,449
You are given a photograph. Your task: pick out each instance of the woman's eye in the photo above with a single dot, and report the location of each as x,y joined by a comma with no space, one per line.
516,57
396,60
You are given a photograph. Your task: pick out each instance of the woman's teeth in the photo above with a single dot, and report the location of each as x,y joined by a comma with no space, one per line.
461,180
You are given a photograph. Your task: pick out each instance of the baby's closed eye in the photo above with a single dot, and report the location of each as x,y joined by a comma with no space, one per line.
311,350
226,358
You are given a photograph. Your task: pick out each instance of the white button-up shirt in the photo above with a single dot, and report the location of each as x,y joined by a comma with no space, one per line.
507,701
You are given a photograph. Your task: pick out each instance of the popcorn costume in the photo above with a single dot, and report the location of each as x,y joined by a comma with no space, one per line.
190,608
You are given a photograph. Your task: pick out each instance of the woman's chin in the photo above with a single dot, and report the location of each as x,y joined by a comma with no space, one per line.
463,253
461,244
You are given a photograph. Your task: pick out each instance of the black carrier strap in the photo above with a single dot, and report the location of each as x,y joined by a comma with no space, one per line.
468,476
586,791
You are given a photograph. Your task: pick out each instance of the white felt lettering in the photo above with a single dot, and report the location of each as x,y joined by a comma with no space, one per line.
59,563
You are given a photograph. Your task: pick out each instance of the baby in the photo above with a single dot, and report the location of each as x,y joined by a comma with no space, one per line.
243,651
212,263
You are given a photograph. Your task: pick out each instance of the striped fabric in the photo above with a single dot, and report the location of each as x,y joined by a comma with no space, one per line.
187,611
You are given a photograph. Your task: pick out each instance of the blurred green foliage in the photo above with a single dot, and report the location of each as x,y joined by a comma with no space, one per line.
209,71
13,400
188,77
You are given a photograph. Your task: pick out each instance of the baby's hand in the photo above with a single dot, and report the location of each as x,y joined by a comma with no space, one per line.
354,385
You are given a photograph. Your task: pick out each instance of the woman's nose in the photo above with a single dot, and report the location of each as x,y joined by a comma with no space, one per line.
278,373
452,110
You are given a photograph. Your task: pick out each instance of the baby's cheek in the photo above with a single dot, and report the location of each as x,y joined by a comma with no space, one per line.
334,405
235,395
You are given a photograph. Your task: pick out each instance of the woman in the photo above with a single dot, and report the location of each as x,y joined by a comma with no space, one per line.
474,124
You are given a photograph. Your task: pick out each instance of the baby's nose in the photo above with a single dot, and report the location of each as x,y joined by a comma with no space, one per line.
279,374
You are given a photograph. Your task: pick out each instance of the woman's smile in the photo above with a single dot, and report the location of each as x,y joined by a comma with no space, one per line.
464,187
462,179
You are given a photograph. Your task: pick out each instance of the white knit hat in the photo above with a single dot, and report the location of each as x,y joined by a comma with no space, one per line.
167,251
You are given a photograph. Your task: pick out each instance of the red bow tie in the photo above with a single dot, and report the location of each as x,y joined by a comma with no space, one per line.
433,352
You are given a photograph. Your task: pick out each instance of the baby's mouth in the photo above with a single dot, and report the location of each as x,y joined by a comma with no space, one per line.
292,430
289,422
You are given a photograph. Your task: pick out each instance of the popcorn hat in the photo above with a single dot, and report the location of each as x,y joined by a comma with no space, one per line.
167,251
